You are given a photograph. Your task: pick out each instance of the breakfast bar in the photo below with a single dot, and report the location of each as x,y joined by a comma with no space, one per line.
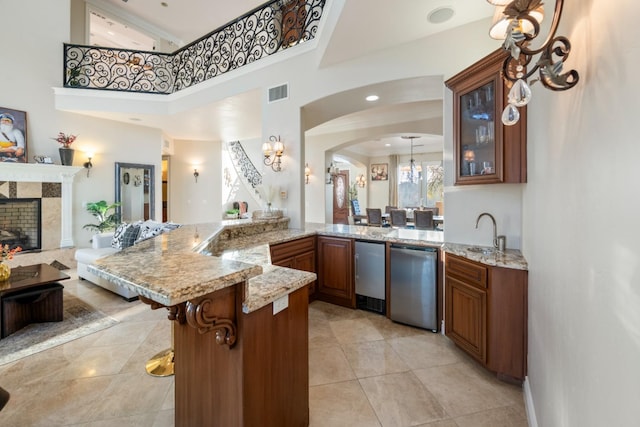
240,328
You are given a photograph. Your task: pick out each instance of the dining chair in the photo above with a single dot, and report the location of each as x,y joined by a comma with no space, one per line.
423,219
432,209
398,217
356,213
387,209
374,217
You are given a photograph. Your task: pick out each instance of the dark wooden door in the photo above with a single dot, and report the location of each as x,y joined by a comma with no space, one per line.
341,198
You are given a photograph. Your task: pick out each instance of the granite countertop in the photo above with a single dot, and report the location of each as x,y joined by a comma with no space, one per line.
511,258
195,260
174,267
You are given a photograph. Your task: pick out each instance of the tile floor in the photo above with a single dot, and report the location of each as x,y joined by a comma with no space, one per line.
364,370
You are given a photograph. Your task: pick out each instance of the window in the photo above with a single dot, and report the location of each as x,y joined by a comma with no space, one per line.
423,187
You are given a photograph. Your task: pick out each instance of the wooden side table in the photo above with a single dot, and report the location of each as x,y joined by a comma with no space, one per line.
30,295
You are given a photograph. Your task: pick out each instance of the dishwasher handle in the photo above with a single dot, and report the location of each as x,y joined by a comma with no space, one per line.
414,248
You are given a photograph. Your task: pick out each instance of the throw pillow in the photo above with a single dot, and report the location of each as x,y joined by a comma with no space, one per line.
116,240
130,235
149,229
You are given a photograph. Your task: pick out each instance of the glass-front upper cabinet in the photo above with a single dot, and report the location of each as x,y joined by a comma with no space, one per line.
485,150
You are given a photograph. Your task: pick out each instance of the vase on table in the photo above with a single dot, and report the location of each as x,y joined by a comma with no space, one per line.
66,156
5,271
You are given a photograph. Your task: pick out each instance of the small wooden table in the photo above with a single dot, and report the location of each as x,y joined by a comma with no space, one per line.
30,295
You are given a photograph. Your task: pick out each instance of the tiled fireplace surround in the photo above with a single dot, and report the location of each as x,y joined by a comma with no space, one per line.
53,184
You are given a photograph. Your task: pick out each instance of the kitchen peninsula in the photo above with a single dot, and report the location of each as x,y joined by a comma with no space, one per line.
240,328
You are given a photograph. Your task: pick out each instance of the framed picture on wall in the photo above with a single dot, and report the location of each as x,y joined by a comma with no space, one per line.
13,135
379,171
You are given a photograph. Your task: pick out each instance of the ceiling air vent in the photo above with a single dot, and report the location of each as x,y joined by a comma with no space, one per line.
278,93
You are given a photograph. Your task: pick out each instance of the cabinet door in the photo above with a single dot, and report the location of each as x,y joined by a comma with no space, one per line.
307,262
335,271
486,151
466,314
299,254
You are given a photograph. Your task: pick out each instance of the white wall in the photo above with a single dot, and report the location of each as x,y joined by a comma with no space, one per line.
195,202
581,211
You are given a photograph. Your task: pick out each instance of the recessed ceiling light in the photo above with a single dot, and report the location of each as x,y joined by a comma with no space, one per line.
111,33
134,119
387,145
164,4
372,98
440,15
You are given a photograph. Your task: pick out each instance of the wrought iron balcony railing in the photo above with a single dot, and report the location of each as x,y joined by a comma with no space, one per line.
268,29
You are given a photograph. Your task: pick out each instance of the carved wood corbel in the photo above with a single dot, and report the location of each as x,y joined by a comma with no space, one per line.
197,317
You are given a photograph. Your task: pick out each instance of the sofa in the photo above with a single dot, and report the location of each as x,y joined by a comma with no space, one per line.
100,247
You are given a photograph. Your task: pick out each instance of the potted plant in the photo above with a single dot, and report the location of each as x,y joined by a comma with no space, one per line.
232,213
66,152
105,214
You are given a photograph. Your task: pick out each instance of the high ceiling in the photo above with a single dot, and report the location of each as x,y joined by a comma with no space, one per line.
364,26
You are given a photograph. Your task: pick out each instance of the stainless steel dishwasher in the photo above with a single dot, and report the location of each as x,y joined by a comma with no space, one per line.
413,286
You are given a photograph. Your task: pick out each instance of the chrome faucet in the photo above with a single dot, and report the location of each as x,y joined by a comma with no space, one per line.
495,227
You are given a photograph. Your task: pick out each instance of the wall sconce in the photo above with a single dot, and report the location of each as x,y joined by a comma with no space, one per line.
518,23
196,174
88,165
273,155
332,172
361,181
307,173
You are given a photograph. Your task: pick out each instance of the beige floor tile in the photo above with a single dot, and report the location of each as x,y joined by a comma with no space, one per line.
340,404
158,340
53,403
401,400
321,334
372,358
328,365
164,418
97,361
426,350
462,390
500,417
140,420
335,312
442,423
125,333
131,394
354,330
390,329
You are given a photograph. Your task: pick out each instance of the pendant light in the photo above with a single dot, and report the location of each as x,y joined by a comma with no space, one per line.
412,163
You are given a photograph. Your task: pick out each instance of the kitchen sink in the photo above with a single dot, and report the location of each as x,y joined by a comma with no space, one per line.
481,250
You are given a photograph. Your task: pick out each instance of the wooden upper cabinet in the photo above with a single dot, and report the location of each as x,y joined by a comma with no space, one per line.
485,150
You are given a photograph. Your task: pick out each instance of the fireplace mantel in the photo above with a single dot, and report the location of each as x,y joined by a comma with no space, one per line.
36,172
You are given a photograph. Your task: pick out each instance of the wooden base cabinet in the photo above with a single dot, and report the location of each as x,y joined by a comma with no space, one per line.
335,271
241,370
299,254
486,314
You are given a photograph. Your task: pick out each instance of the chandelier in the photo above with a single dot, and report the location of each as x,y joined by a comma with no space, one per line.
517,22
412,162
